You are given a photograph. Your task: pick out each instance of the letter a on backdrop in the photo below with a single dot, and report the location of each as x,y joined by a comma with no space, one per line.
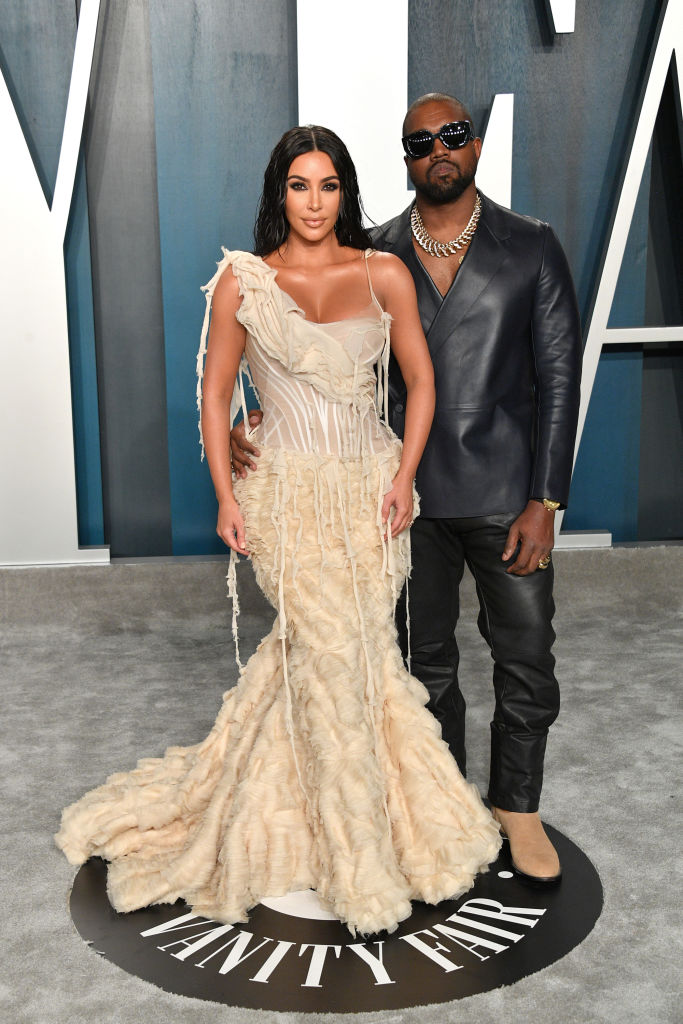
668,47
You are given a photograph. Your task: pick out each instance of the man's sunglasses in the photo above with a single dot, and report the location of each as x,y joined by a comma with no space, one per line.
454,136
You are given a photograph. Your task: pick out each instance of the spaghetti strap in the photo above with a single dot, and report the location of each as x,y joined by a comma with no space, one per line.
366,255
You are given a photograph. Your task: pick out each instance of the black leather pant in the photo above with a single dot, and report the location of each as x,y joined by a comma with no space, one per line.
515,620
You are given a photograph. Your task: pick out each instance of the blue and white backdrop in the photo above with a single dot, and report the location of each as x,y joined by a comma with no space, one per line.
134,136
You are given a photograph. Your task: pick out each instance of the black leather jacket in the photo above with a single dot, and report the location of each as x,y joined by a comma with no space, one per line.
506,348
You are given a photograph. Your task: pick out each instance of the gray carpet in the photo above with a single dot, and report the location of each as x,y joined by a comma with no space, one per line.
100,666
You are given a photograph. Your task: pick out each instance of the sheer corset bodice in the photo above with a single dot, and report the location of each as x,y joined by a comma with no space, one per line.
321,386
297,416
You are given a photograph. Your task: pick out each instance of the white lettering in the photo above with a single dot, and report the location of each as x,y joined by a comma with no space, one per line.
486,927
470,941
375,963
669,41
494,170
198,941
317,963
35,383
273,960
174,924
510,914
432,952
235,957
379,87
563,13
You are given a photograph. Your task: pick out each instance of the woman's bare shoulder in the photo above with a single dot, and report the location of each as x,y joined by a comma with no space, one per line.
226,296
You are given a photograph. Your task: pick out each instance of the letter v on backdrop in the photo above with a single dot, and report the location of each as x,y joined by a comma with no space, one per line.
38,515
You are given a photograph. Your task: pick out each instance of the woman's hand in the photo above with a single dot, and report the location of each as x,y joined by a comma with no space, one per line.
230,525
400,498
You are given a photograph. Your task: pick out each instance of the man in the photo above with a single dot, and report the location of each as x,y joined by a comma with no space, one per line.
502,325
499,313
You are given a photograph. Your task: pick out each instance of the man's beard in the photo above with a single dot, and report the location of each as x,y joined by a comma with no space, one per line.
445,190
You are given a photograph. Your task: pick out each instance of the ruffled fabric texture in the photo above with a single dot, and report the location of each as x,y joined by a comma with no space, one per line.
324,769
304,348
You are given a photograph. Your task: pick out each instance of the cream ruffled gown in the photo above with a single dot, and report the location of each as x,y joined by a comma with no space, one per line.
323,770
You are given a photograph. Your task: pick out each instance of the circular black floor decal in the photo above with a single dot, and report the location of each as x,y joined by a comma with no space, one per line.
292,956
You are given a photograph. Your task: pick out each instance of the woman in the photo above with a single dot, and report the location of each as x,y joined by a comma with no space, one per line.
323,769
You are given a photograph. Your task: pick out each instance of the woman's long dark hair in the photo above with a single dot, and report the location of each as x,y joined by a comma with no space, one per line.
272,228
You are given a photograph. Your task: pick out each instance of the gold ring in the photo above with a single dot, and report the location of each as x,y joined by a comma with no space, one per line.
544,562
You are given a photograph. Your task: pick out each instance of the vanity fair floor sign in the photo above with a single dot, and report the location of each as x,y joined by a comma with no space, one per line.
292,955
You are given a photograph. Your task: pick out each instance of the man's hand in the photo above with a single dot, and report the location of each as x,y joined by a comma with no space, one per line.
240,448
534,531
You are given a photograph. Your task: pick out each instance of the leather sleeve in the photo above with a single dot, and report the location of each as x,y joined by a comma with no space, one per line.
556,342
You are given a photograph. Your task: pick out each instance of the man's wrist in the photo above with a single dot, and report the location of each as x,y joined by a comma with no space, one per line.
549,504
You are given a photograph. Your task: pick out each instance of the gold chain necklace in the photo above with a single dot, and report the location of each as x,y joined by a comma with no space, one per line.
439,249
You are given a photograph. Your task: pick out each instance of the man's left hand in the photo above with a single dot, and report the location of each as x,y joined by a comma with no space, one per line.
534,531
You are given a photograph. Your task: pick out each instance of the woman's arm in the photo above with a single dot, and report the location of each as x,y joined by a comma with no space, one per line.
394,285
226,345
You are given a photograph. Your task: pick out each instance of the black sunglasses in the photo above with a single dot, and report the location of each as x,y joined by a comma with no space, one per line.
454,136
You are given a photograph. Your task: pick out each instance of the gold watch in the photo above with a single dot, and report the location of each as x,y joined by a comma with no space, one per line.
552,506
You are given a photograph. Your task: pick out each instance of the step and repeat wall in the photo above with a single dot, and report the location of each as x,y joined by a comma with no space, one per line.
182,104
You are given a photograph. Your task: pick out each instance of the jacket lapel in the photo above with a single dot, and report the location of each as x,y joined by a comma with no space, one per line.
399,240
487,252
